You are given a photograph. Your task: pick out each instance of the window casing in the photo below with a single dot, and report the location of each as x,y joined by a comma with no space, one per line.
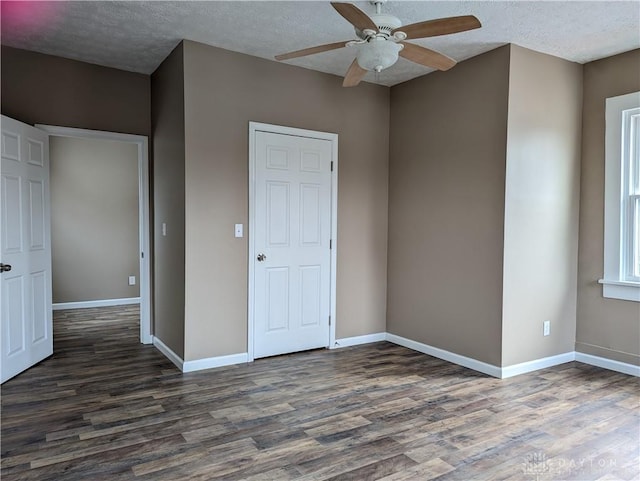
622,198
631,194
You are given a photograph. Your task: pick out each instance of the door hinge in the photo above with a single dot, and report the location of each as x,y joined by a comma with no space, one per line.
332,166
329,320
142,255
330,243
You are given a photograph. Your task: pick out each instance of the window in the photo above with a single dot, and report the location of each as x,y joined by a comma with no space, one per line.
631,193
622,198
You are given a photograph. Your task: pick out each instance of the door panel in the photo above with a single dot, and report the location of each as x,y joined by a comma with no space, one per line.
13,302
292,232
37,215
12,218
26,334
10,146
311,295
310,215
277,299
278,219
40,332
36,152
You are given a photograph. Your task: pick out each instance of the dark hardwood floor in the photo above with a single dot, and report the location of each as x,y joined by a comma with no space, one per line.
105,407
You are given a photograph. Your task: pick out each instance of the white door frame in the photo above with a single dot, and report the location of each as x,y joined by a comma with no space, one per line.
279,129
142,143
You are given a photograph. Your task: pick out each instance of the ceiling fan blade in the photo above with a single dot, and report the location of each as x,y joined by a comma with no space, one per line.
311,50
440,26
354,74
426,57
355,16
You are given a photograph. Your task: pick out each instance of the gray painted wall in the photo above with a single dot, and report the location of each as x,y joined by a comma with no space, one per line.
167,103
483,206
39,88
446,207
606,327
43,89
94,219
541,206
223,92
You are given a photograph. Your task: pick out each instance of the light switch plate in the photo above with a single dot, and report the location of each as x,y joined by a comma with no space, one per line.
239,230
132,280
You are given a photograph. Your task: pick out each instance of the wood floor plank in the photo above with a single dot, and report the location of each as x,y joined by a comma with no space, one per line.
425,471
105,407
378,469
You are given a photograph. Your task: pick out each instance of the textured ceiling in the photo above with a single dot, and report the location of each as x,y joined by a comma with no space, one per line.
137,36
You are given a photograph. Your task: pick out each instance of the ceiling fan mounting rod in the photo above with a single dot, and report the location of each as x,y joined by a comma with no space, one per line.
378,4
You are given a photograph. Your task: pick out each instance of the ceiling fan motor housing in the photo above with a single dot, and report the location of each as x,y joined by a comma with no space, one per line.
386,24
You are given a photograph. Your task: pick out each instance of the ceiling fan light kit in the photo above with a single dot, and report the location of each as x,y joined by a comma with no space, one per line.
378,54
381,40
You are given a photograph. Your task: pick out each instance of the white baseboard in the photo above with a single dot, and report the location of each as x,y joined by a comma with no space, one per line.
483,367
474,364
198,364
100,303
358,340
218,361
530,366
610,364
168,352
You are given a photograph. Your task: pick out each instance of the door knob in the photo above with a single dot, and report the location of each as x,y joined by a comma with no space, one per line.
5,267
262,257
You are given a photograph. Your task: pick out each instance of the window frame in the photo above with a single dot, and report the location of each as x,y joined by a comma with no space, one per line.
621,163
631,194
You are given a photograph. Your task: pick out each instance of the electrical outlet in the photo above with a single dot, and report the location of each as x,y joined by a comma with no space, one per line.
546,328
132,280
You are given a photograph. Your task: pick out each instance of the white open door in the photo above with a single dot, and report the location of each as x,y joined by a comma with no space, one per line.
26,334
291,243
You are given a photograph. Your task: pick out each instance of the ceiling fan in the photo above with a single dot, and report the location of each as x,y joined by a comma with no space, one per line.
381,38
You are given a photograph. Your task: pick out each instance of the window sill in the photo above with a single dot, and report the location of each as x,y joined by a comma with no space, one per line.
624,290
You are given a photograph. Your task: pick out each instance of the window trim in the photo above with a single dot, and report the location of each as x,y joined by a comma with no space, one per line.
615,283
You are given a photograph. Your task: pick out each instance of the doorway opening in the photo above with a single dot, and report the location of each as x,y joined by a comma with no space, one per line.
134,149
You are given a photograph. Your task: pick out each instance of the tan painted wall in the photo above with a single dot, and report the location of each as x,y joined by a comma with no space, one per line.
605,327
44,89
39,88
167,106
94,219
223,92
446,207
541,206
